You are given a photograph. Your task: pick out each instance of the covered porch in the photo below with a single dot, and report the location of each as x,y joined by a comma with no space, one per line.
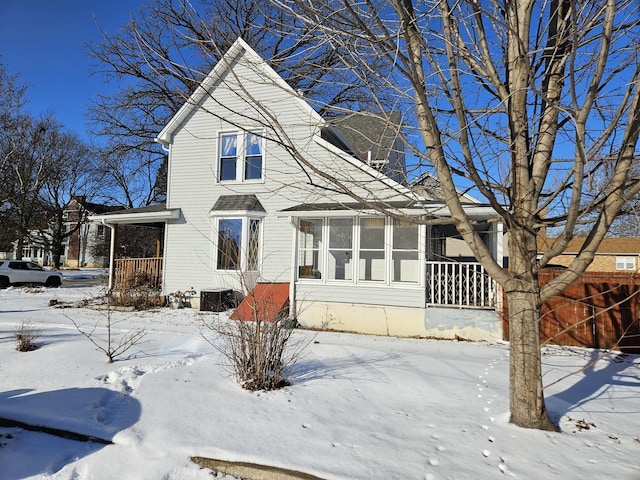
128,272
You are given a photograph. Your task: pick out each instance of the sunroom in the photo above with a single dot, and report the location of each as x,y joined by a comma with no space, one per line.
355,269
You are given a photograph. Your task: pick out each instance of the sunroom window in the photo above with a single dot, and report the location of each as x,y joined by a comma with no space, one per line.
372,265
405,252
355,250
310,248
241,156
340,249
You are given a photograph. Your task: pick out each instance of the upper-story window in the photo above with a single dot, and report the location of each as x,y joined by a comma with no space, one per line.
241,156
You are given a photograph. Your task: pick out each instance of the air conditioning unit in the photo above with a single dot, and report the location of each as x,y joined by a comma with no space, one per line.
216,300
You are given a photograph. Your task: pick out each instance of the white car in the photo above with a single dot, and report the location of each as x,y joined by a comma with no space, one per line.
17,272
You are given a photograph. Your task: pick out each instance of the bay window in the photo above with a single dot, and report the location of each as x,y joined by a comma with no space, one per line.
238,246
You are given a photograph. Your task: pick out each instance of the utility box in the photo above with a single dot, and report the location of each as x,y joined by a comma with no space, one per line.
216,300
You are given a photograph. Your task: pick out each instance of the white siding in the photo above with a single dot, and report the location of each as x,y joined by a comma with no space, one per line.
189,248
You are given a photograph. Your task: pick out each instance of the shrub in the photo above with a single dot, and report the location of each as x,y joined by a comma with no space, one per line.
258,352
26,336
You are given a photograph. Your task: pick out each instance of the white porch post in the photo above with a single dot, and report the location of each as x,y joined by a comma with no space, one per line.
112,249
497,248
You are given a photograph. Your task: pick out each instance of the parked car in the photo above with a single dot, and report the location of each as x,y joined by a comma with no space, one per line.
18,272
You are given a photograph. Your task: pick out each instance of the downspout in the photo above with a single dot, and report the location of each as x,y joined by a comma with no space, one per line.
112,249
292,283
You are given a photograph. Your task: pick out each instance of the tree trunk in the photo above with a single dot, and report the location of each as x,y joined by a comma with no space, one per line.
19,248
526,396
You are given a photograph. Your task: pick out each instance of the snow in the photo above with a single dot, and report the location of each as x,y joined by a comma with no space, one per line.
359,407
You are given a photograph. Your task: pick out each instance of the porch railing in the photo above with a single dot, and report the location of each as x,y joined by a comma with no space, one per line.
460,284
131,273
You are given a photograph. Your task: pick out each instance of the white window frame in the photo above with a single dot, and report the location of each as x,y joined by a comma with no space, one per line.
355,280
241,157
244,242
625,263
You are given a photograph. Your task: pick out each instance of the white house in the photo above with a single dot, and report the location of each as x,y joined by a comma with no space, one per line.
262,190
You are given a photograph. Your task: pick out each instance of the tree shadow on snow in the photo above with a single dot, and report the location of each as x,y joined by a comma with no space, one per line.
599,378
42,432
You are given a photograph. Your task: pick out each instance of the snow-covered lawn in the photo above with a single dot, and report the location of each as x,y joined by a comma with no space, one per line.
359,407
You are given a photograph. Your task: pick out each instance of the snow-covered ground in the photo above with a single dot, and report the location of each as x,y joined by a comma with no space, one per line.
359,407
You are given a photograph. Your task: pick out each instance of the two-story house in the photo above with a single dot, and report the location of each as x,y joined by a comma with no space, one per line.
262,190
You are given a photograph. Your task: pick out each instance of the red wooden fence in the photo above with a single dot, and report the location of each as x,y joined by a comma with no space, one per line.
600,310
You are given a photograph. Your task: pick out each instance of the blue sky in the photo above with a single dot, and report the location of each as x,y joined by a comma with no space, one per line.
45,42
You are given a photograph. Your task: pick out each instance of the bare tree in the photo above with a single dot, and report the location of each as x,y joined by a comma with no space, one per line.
194,35
521,101
28,165
107,337
524,101
71,173
13,94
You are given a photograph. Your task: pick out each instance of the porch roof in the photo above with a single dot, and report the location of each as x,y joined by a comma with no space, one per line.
151,214
431,208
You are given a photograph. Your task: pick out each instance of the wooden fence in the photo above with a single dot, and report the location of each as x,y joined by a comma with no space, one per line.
132,273
600,310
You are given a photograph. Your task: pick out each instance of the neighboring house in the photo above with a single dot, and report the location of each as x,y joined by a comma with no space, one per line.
243,212
88,243
613,255
35,247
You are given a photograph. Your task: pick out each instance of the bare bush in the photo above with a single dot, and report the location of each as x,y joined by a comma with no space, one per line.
107,339
142,297
259,352
26,335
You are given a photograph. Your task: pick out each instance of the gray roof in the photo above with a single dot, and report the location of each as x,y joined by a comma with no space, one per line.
150,208
368,132
428,186
355,206
247,203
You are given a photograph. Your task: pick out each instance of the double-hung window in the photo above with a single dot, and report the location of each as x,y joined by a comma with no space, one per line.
340,249
310,248
241,156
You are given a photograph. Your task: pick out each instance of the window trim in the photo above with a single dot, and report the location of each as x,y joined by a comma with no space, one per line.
246,219
242,157
324,250
628,263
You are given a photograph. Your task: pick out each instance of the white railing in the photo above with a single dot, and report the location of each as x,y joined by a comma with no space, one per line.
460,284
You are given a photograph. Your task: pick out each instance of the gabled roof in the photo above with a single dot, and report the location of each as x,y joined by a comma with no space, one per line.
240,51
93,208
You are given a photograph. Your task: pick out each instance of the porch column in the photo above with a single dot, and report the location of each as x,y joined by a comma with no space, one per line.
497,235
159,232
112,250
